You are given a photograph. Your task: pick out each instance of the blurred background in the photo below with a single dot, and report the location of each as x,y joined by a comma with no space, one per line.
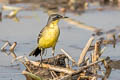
22,20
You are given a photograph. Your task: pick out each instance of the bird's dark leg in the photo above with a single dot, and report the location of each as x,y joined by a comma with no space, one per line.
41,54
45,52
53,51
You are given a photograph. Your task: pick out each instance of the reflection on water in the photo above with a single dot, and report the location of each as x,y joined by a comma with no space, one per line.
25,33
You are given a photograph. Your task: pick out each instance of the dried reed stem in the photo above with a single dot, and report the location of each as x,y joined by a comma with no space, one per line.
5,45
67,63
96,55
70,58
54,68
84,67
33,76
13,54
13,46
4,7
83,53
97,50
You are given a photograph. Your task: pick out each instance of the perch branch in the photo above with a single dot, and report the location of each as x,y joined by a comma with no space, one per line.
52,67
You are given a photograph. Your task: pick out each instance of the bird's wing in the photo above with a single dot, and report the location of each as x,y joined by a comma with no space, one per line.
40,34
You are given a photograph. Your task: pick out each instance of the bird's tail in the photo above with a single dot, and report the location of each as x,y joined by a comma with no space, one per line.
35,52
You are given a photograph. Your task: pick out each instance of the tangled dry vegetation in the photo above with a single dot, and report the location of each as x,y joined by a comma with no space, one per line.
90,67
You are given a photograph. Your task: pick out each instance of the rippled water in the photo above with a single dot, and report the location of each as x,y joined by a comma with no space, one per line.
72,38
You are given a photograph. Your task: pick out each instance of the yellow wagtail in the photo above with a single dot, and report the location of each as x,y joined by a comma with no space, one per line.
48,36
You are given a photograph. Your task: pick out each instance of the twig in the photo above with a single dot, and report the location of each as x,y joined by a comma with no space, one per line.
66,77
84,67
96,51
96,56
13,54
52,67
94,78
87,60
13,46
108,70
114,40
54,75
4,7
20,59
12,14
24,62
102,50
67,63
5,45
70,58
84,77
82,55
33,76
5,52
92,57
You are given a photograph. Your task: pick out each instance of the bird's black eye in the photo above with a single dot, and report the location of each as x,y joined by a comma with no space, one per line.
58,16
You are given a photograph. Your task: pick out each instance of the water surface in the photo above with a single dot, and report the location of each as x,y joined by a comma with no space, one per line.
72,38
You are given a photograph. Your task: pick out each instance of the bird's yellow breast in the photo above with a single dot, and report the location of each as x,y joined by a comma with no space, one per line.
49,36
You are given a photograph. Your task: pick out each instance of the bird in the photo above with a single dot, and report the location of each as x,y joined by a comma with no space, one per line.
48,36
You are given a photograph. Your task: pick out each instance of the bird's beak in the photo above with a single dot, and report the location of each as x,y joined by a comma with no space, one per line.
65,17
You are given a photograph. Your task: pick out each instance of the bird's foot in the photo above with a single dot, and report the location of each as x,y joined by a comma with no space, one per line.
40,65
54,62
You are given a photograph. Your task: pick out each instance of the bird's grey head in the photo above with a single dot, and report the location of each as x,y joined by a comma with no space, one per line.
54,17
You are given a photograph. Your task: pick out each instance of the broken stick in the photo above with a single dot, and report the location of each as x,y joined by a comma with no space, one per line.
83,54
84,67
70,58
13,46
5,45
